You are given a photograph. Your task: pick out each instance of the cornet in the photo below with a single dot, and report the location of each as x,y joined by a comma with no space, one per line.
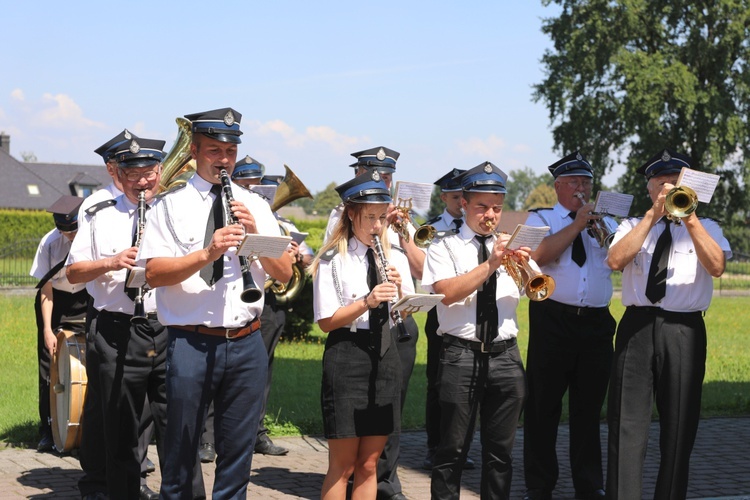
536,285
680,202
598,229
424,235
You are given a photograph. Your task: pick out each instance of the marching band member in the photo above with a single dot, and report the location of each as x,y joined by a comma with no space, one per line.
361,393
481,371
215,353
570,338
58,302
660,347
129,355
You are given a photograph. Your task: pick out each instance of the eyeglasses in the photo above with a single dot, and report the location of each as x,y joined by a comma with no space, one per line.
575,184
134,175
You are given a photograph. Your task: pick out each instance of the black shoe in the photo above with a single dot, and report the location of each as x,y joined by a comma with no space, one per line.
148,494
428,460
46,443
537,495
94,496
469,463
207,453
150,467
594,495
397,496
265,446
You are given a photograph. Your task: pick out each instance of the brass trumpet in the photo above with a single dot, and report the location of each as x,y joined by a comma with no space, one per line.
598,228
403,218
680,202
424,235
536,285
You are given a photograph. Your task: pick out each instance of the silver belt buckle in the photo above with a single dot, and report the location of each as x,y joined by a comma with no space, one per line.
483,349
226,333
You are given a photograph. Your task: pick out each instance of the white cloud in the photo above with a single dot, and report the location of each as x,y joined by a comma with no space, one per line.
320,135
484,148
60,111
17,95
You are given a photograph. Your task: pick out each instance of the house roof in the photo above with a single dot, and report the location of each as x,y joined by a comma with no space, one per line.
35,186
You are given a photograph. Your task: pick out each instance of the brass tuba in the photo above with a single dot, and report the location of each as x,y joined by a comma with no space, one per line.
177,167
680,202
290,188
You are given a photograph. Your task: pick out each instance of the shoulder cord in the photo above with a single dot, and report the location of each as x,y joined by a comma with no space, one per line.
170,225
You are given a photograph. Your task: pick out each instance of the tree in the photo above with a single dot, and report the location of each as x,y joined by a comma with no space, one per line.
28,156
541,196
627,78
521,183
326,200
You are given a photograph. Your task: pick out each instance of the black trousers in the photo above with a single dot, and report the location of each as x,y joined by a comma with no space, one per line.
432,403
569,350
658,355
132,369
388,481
493,387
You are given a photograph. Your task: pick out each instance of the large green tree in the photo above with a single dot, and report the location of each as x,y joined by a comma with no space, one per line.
627,78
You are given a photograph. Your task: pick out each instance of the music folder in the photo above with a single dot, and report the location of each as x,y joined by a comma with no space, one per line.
136,277
261,245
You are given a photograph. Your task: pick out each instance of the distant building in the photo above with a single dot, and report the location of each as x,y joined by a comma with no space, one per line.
35,186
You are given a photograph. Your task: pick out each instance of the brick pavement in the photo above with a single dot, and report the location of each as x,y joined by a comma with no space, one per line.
720,467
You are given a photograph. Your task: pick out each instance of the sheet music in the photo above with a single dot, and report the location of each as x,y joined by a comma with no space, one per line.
417,302
527,236
261,245
419,193
617,204
267,192
703,183
136,278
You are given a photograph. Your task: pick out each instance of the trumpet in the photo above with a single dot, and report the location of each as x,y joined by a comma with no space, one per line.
424,235
536,285
680,202
598,228
403,333
250,291
139,311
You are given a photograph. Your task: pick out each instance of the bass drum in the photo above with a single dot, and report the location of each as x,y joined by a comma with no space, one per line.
68,390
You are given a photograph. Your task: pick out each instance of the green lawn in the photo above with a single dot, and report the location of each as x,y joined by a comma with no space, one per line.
294,405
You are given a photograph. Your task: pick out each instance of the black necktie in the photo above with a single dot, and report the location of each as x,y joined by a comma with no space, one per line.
458,223
579,253
486,300
211,273
656,286
379,315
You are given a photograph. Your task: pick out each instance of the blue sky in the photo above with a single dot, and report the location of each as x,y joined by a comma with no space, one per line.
445,83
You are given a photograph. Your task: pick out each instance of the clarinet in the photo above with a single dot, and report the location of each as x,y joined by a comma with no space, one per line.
250,291
139,312
403,334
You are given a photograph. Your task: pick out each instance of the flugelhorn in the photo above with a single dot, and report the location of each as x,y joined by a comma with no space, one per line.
680,202
403,333
536,285
250,291
597,228
402,221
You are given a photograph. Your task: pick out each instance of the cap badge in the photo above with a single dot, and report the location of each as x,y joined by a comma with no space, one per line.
127,134
375,175
665,156
487,168
579,157
229,119
380,155
134,147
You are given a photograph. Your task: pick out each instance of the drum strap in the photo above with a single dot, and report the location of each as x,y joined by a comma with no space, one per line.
51,273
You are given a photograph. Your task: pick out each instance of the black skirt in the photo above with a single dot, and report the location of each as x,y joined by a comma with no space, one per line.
361,393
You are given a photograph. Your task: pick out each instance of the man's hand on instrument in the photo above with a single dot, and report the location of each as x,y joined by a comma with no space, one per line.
224,238
124,259
244,217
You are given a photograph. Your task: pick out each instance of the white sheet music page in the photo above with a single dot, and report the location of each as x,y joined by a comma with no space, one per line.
261,245
267,192
419,193
703,183
417,302
527,236
617,204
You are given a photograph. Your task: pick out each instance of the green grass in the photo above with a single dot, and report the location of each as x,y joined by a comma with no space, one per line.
294,406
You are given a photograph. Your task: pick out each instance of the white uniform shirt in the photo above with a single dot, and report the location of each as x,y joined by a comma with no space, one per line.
689,286
103,234
444,222
175,228
587,286
343,280
456,255
108,192
53,248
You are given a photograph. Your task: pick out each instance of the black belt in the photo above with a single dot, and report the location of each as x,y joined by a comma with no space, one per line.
574,310
658,311
475,345
126,317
